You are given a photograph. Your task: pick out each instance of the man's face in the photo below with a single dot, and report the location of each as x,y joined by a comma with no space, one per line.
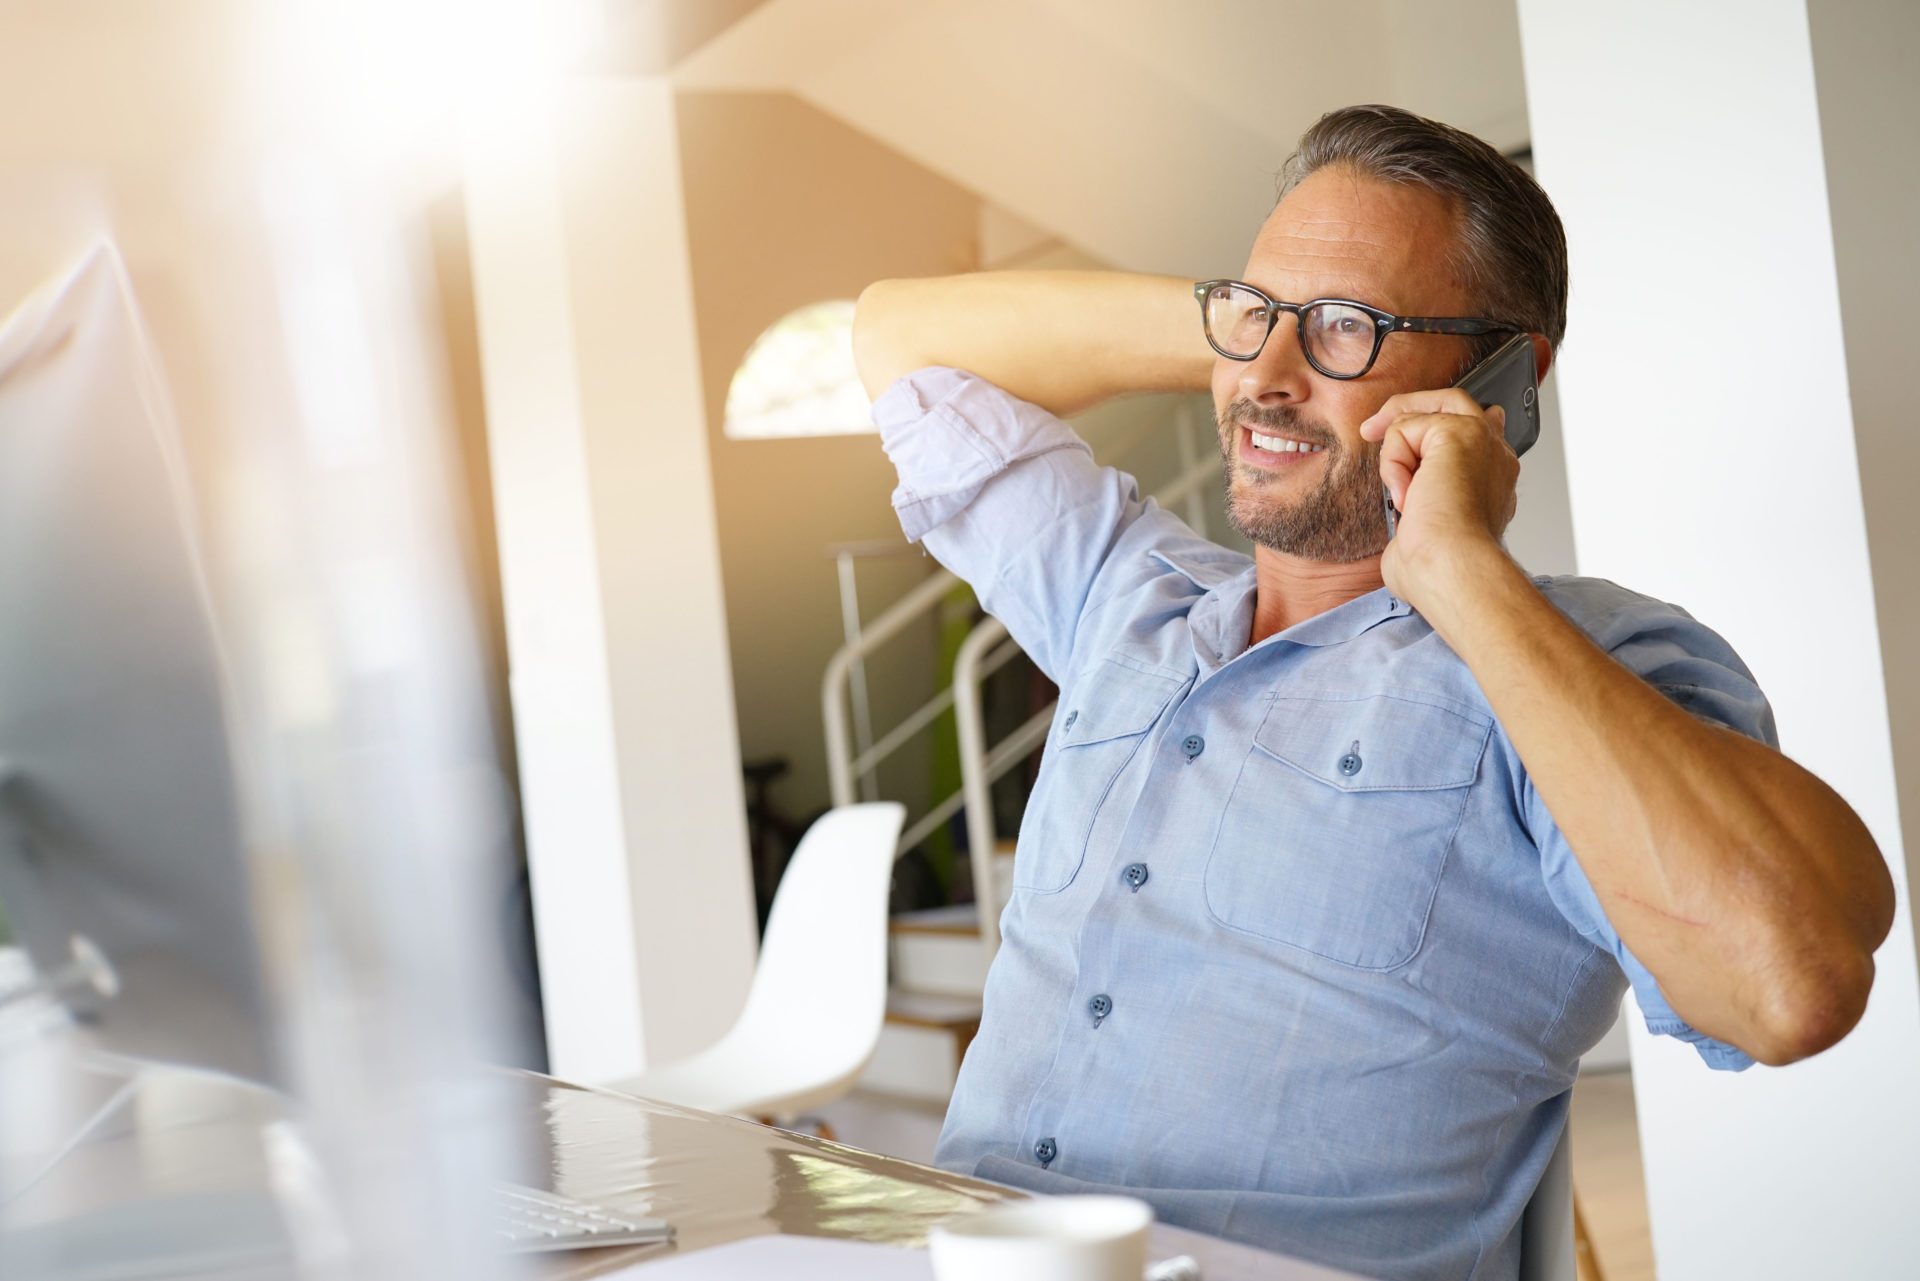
1336,235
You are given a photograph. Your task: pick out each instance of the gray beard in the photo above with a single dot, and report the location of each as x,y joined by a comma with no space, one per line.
1342,520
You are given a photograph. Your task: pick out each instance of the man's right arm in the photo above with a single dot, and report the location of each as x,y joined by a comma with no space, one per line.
1063,340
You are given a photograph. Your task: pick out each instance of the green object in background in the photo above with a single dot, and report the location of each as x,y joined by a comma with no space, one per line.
958,613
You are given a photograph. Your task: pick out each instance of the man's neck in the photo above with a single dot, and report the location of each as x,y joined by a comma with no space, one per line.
1289,589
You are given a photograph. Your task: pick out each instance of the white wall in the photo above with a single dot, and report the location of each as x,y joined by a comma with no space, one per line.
1718,465
623,701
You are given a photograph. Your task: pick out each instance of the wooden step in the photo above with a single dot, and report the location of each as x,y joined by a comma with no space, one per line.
933,1009
958,918
938,951
925,1036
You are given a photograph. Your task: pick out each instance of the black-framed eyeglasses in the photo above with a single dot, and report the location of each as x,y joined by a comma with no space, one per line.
1339,337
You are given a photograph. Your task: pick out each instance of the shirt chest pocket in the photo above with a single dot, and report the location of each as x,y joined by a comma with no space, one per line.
1336,833
1102,725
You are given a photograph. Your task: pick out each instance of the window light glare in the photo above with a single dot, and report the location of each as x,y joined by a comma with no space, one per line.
798,379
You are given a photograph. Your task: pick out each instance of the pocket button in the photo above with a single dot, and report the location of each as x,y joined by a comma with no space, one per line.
1350,763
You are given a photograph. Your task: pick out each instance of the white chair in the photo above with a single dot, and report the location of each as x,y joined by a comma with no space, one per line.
1546,1227
819,993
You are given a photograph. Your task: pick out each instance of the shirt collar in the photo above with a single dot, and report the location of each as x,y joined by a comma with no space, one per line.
1222,619
1344,622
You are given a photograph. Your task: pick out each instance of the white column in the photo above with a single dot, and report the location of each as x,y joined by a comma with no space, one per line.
622,692
1723,383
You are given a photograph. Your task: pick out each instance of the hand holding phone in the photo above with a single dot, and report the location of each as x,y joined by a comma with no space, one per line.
1506,379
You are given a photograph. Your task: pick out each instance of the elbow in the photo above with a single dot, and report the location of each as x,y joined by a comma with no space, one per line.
1811,1007
877,355
1818,983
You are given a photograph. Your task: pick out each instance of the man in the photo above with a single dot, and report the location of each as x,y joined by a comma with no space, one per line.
1341,858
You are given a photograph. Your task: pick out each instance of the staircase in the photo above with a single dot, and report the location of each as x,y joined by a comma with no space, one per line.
938,968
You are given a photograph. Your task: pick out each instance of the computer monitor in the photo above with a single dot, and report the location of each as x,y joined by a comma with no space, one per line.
119,818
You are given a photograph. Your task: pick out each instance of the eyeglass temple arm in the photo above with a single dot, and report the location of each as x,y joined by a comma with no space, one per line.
1451,325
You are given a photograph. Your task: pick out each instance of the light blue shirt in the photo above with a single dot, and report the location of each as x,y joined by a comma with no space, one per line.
1295,951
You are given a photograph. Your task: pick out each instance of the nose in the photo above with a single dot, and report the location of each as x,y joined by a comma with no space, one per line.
1280,374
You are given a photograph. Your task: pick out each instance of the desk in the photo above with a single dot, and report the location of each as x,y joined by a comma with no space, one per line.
715,1178
718,1179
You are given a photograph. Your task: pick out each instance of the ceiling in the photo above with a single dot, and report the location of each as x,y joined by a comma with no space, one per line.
1144,133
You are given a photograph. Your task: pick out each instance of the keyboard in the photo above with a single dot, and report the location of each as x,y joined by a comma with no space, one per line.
532,1221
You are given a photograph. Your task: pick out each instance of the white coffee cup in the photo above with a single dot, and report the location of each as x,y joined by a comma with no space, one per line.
1061,1238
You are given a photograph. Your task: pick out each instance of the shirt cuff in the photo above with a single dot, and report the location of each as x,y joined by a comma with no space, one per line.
1717,1055
1663,1021
948,433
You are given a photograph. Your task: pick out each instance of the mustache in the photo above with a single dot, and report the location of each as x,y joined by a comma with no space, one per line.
1283,420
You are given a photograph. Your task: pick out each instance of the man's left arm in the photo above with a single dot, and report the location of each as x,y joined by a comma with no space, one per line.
1747,887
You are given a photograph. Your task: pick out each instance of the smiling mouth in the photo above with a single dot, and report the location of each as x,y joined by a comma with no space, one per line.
1282,444
1274,453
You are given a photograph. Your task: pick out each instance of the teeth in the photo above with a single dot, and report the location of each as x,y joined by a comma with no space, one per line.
1281,445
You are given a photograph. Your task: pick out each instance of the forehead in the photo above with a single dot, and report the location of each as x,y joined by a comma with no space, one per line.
1341,235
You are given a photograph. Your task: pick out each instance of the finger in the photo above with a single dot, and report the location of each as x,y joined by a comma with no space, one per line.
1398,461
1425,432
1437,400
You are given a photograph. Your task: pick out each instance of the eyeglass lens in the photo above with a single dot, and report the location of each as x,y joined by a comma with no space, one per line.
1338,337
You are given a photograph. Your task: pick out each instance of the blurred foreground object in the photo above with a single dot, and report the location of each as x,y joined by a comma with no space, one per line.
337,778
119,832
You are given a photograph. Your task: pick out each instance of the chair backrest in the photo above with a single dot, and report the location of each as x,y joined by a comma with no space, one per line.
1546,1226
820,990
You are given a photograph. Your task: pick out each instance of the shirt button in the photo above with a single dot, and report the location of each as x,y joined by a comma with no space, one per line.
1044,1151
1350,763
1100,1006
1072,716
1135,875
1193,745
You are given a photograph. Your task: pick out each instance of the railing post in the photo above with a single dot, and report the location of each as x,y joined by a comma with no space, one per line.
833,710
975,786
833,684
857,672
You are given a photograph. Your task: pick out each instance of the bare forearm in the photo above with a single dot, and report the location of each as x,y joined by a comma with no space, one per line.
1065,340
1752,892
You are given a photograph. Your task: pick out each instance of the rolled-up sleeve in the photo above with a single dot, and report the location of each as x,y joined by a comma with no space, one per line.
948,433
1695,668
1005,495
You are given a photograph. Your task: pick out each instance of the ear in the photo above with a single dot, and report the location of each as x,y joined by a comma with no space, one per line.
1542,356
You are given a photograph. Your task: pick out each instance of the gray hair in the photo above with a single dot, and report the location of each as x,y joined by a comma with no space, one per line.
1511,254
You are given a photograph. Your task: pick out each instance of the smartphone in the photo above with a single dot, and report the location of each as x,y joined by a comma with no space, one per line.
1505,379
